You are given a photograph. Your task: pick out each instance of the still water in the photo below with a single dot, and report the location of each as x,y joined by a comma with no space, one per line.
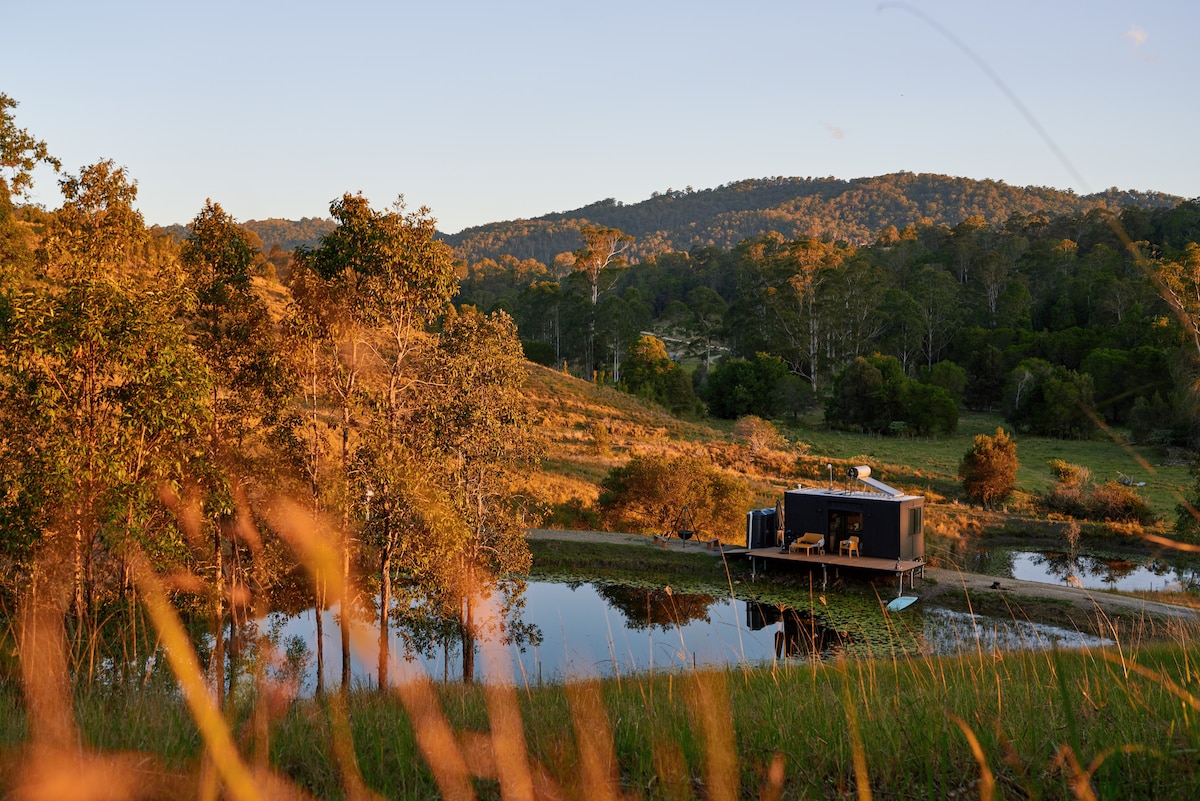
1091,571
584,630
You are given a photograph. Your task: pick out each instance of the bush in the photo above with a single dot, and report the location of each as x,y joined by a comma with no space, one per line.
989,470
1114,501
759,434
601,440
874,394
737,387
1077,495
649,492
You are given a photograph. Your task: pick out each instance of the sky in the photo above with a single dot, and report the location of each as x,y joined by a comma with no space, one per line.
489,111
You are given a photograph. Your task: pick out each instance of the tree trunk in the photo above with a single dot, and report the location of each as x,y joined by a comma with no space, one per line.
319,601
385,604
218,657
345,602
467,627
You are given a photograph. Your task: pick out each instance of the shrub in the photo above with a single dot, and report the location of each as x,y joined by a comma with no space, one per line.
989,470
1114,501
759,434
1077,495
601,440
649,492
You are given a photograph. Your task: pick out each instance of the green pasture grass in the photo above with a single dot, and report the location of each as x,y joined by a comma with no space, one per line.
933,462
1122,722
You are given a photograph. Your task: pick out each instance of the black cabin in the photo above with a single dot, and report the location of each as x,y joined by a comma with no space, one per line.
888,523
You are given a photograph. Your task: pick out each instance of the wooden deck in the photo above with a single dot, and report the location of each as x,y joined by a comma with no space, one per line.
900,568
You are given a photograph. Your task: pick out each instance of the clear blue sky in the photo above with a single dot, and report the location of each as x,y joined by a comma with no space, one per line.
488,111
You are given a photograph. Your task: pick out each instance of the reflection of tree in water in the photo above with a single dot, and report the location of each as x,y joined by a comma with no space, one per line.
992,562
802,634
646,607
1062,566
426,630
1066,565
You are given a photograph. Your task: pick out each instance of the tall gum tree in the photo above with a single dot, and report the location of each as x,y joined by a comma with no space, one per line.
249,392
100,381
480,433
603,250
372,287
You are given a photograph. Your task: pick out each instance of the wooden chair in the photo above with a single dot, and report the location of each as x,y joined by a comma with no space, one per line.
849,547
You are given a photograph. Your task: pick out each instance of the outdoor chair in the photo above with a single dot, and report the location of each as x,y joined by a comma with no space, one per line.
849,547
808,543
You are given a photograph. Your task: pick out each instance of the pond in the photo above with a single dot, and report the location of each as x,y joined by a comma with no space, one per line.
583,630
1091,571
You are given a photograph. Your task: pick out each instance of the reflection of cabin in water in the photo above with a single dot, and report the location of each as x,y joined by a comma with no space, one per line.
798,633
888,526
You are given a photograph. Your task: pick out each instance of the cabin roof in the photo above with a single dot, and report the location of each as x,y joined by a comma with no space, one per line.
855,494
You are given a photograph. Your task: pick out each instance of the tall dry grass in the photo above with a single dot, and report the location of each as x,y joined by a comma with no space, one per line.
1117,722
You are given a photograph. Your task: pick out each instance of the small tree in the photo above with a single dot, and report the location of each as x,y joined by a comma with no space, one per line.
648,493
759,434
989,470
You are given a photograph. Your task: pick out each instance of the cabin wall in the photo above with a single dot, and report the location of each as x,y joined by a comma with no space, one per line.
886,527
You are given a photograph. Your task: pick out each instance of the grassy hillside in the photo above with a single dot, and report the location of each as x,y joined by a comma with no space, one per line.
568,408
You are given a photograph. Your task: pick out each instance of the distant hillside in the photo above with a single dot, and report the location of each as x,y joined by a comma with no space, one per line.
852,210
289,234
286,235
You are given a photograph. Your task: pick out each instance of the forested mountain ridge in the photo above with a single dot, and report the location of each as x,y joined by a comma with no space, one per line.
273,232
826,208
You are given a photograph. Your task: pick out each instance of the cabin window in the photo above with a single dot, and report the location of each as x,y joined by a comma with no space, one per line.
915,519
854,522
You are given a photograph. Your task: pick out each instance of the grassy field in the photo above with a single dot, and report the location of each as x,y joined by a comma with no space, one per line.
1118,723
567,408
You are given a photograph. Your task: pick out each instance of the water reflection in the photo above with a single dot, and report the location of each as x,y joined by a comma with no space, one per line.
580,630
1084,570
656,606
946,632
798,632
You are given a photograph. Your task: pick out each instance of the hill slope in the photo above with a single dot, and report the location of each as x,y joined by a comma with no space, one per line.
852,210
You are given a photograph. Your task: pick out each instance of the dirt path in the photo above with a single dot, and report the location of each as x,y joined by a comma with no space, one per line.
938,582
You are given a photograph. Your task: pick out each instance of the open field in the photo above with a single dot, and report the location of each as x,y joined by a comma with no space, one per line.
568,408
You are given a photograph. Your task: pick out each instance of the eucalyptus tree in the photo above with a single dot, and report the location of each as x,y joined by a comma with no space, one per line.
370,291
102,387
250,390
603,250
477,424
20,154
1178,280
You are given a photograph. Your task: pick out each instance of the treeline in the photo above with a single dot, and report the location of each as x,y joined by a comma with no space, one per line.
164,413
1063,322
824,208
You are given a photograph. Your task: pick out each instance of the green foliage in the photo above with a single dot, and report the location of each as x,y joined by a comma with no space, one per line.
648,372
873,394
947,375
648,493
738,387
1050,400
1151,421
989,470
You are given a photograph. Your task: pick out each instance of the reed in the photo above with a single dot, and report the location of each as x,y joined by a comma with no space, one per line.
1117,722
